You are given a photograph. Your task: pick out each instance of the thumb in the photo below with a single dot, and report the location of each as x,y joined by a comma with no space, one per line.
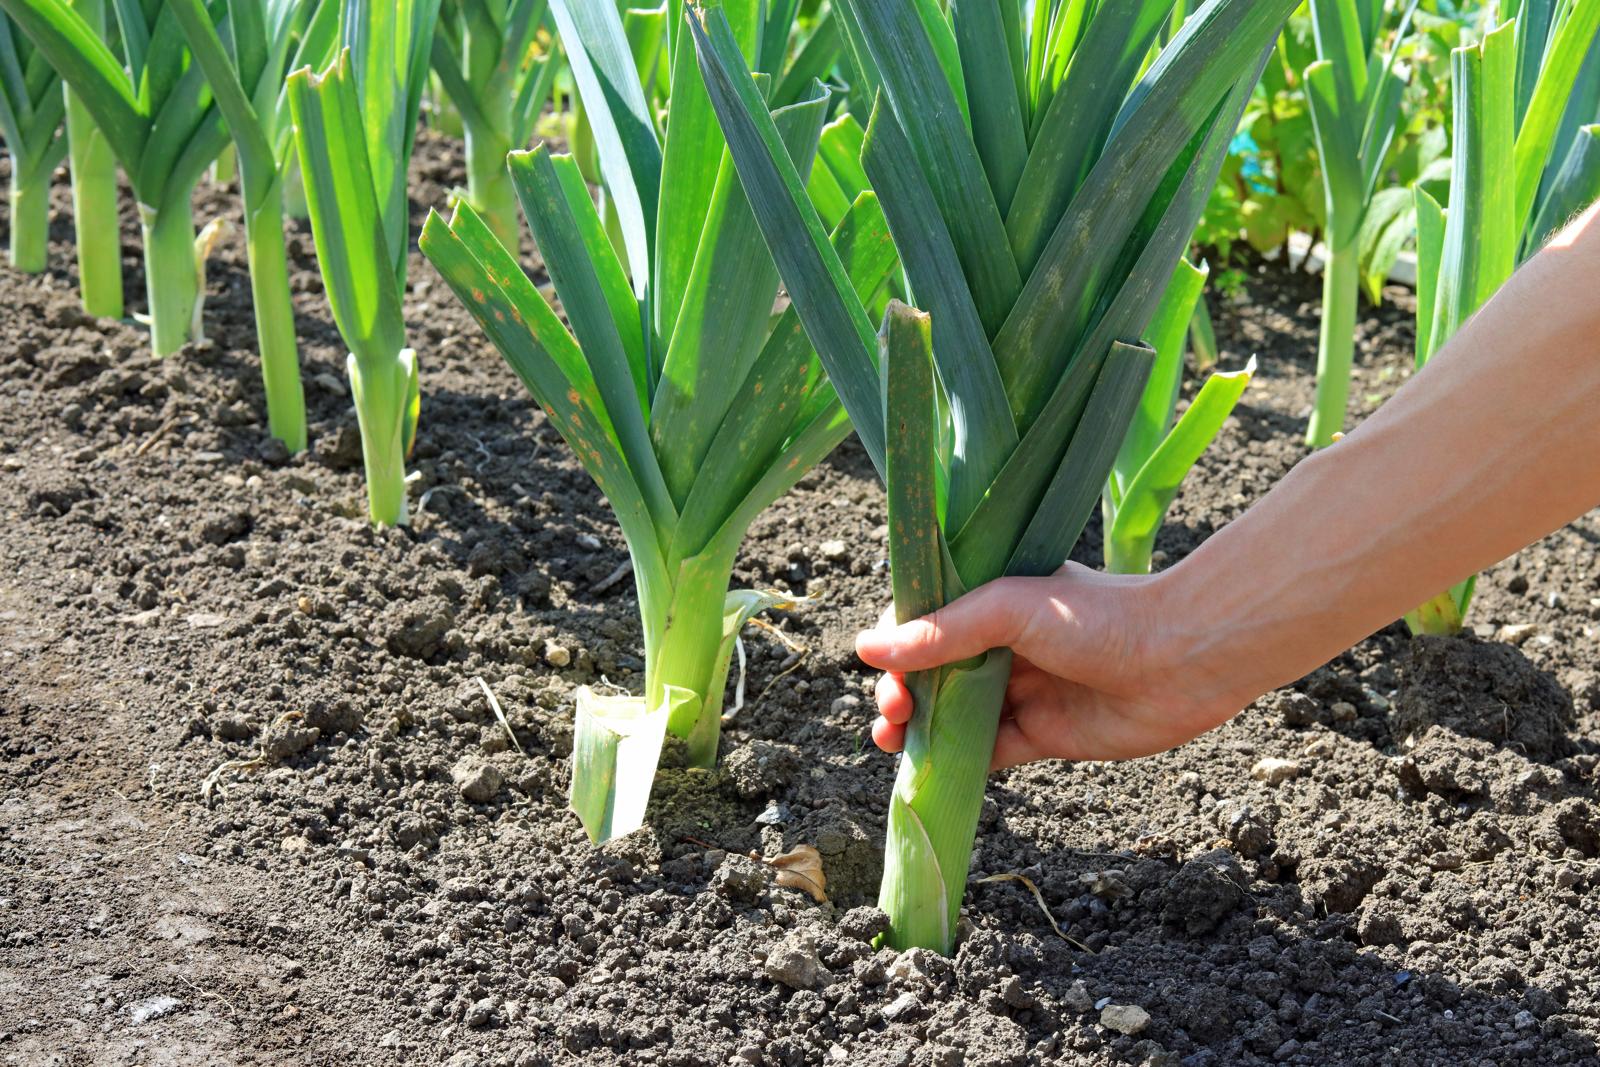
991,616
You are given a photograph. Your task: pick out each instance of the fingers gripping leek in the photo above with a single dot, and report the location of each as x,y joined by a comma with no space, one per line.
354,126
688,401
1040,192
157,113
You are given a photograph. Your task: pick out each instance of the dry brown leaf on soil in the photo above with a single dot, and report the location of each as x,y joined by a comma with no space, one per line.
801,868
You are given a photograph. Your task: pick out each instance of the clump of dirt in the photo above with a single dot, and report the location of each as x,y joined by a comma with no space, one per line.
1482,689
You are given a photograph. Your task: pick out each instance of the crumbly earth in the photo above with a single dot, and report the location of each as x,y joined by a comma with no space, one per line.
239,731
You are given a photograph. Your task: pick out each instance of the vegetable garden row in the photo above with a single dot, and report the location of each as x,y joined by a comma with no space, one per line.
974,234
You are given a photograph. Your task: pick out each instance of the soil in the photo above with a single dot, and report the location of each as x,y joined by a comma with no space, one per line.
239,730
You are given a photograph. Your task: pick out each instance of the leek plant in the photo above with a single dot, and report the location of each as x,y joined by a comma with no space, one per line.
1509,94
354,128
246,58
1041,183
30,119
155,110
1157,454
96,227
688,401
1353,93
488,56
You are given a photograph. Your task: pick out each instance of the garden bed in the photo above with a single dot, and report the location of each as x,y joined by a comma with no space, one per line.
255,806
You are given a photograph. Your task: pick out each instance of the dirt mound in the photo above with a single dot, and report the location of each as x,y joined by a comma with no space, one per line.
1483,689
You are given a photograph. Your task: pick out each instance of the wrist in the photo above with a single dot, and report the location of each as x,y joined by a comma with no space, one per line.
1191,646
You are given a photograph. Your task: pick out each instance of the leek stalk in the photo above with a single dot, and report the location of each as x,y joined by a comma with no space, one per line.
354,129
1156,455
496,63
1510,94
246,59
1353,93
1040,193
30,121
690,404
95,221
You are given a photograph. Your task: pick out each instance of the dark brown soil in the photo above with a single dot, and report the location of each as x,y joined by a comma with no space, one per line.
231,716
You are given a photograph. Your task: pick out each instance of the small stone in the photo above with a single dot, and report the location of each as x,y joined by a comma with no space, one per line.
273,452
863,924
795,963
1343,711
154,1008
1319,747
1016,995
1124,1018
588,541
834,551
902,1007
1517,633
143,618
329,384
204,620
913,965
477,778
556,655
295,845
845,705
1108,884
1077,997
774,815
482,1012
209,457
1275,771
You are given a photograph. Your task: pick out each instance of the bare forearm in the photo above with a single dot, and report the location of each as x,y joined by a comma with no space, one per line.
1493,445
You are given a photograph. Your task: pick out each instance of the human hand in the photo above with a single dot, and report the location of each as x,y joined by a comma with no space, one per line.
1097,673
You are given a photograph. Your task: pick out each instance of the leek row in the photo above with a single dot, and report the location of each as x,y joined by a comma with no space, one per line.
157,113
